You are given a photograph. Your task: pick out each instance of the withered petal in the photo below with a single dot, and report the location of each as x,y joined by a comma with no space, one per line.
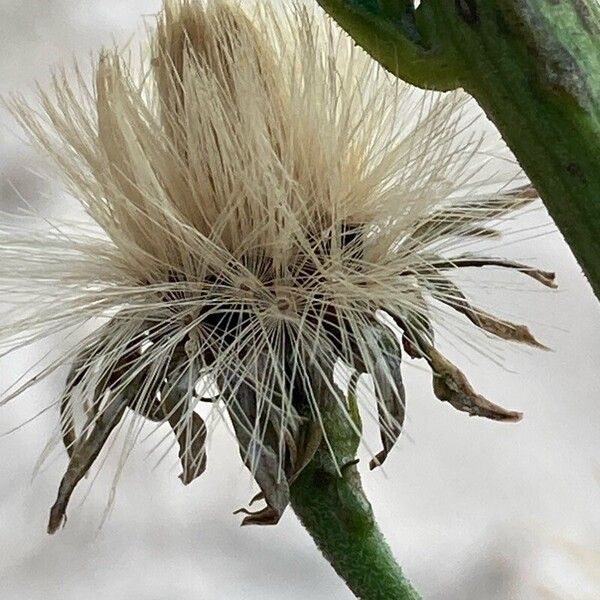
85,451
67,423
257,498
546,278
79,369
259,457
266,516
192,452
415,335
449,293
310,438
451,385
188,427
386,360
190,431
462,217
91,354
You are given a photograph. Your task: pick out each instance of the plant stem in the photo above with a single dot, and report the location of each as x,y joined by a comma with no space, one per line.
329,500
336,513
533,66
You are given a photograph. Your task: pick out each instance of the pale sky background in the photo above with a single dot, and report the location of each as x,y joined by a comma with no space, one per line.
473,510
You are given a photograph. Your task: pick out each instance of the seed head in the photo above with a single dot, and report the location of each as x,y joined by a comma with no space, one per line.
262,199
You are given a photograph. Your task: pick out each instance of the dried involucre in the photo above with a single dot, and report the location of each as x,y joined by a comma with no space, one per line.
255,195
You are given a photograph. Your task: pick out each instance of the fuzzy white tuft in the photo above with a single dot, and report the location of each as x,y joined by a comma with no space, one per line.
256,194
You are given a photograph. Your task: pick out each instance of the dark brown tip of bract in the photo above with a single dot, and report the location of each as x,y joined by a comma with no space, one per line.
266,516
378,460
57,519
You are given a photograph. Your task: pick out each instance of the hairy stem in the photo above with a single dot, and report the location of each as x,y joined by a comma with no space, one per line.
331,504
336,513
533,66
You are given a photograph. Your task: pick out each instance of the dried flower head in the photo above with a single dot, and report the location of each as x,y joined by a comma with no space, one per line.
259,196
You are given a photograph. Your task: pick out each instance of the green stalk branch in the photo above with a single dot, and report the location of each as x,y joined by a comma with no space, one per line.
331,504
387,30
532,65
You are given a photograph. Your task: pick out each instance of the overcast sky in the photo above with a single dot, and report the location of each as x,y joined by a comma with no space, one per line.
474,510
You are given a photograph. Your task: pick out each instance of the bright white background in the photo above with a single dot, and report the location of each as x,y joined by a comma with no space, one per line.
473,510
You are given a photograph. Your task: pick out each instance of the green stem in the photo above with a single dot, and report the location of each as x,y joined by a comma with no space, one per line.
336,513
329,500
533,66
